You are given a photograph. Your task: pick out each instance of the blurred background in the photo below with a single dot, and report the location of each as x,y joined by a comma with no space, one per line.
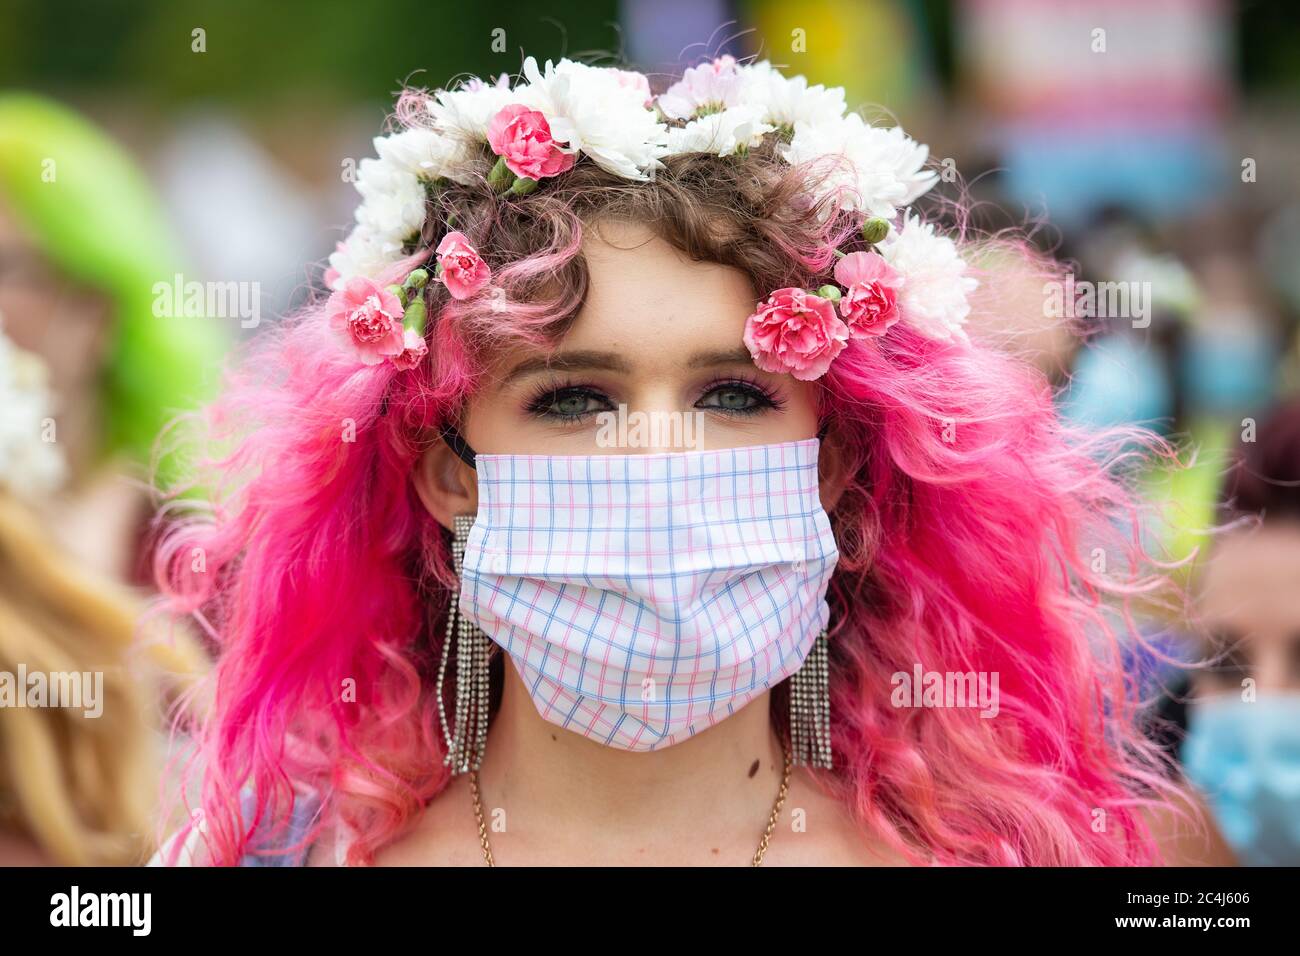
1154,147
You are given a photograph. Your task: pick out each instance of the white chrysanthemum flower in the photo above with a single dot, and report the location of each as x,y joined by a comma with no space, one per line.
637,82
474,84
885,166
392,208
598,112
786,101
426,153
720,133
709,87
30,465
363,254
933,296
394,203
464,113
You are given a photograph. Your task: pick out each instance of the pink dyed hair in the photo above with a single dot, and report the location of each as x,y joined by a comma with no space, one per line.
966,528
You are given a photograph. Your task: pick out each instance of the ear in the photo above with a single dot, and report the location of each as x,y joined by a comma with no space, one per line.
446,485
832,472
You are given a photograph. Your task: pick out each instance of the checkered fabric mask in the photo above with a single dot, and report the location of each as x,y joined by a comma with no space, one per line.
644,598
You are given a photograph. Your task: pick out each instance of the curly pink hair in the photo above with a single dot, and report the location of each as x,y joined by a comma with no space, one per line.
967,531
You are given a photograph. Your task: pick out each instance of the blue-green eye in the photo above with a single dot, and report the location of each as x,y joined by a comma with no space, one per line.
736,398
568,404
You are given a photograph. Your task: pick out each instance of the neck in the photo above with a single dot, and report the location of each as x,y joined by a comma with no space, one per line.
709,795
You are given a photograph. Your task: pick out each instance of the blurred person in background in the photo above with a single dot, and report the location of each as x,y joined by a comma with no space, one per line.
78,779
1205,353
1243,741
82,245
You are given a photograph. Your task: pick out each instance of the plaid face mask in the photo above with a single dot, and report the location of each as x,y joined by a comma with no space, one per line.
644,598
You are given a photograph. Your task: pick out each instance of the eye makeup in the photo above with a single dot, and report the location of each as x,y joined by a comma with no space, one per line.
739,395
569,401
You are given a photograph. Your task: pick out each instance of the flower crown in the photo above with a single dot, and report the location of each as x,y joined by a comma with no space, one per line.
539,127
29,463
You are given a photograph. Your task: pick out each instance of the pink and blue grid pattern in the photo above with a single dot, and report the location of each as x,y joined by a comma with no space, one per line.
643,598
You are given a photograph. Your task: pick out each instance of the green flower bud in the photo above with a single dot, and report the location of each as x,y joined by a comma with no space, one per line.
874,230
831,292
501,177
417,279
398,291
523,186
414,317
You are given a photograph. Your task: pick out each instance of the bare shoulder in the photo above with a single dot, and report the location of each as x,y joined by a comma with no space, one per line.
445,834
816,829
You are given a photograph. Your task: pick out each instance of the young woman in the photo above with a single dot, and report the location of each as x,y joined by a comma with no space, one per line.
637,496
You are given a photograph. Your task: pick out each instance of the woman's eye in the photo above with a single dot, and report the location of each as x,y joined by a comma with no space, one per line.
735,398
569,403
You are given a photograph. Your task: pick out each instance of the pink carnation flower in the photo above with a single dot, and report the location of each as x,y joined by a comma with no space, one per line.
870,300
522,137
796,332
464,272
367,318
413,351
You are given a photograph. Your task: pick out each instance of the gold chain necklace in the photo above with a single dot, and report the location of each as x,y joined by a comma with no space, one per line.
758,854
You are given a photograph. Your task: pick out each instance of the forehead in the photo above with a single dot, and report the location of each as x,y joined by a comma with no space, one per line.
646,298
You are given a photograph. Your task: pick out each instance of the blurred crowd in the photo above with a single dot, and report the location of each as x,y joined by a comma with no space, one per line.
1151,147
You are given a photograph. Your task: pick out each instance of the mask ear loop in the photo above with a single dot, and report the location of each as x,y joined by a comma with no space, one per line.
458,444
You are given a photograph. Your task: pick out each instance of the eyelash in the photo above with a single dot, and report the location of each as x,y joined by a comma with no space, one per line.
767,399
548,394
545,396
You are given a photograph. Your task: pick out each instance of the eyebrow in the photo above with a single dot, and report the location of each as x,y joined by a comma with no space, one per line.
587,360
736,356
580,360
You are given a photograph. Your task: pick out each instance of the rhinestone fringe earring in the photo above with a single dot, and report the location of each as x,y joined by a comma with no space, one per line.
810,708
467,736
